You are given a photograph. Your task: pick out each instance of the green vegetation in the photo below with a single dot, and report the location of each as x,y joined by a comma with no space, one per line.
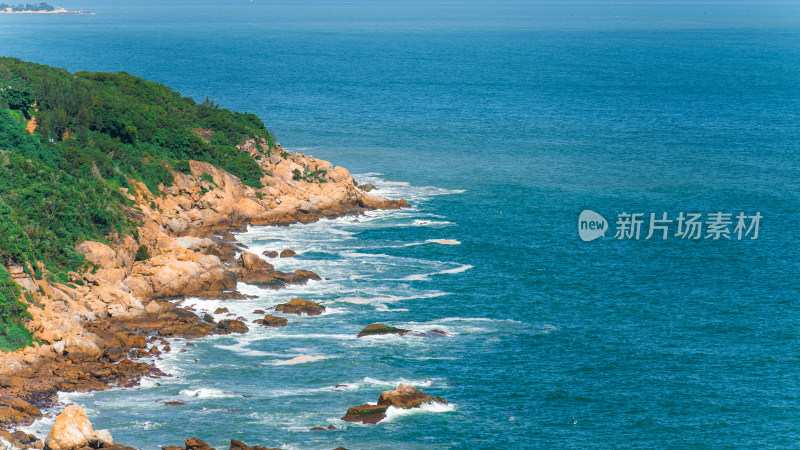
27,7
95,132
313,176
142,254
13,333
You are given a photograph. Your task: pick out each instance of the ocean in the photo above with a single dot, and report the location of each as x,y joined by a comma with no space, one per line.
499,122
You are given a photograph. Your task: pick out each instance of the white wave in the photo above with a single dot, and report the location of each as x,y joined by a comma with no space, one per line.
299,360
240,349
315,336
426,276
393,413
205,393
396,183
429,223
390,298
395,383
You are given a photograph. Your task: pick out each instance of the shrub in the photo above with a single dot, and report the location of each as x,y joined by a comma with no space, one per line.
142,254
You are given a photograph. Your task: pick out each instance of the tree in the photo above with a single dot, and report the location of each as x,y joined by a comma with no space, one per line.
19,99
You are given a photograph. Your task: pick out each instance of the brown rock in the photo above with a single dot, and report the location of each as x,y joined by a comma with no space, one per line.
114,354
220,310
287,253
406,396
379,328
367,187
259,311
299,306
366,413
71,430
128,340
174,403
14,411
229,326
270,254
196,444
272,321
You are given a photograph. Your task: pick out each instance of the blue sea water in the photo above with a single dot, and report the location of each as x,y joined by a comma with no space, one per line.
499,122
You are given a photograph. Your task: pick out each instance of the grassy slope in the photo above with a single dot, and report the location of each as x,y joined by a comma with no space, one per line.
96,131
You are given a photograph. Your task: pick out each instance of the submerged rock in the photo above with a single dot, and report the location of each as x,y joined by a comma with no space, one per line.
379,328
299,306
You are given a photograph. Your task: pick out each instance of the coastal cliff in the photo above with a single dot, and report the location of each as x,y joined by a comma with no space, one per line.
94,316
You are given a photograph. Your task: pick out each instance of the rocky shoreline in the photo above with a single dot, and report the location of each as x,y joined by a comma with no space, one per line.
93,332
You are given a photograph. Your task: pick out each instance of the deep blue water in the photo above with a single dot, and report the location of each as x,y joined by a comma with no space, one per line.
505,120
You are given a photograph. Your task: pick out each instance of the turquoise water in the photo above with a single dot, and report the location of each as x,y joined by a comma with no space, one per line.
501,122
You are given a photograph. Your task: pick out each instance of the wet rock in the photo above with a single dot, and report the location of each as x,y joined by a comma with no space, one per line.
288,253
208,318
229,326
220,310
299,306
366,413
270,254
259,311
272,321
431,333
174,403
379,328
330,427
367,187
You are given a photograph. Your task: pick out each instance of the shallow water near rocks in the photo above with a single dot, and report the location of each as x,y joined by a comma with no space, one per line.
499,123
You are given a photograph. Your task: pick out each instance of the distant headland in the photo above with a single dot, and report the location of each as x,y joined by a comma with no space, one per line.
36,8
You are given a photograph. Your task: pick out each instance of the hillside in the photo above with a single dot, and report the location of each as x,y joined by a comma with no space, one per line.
129,163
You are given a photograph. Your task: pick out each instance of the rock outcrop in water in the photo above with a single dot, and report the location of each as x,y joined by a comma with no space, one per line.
377,329
404,396
299,306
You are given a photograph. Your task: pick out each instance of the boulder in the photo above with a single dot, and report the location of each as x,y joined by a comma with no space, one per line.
251,261
299,306
270,254
220,310
229,326
406,396
101,439
196,444
237,445
379,328
287,253
71,430
367,187
272,321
